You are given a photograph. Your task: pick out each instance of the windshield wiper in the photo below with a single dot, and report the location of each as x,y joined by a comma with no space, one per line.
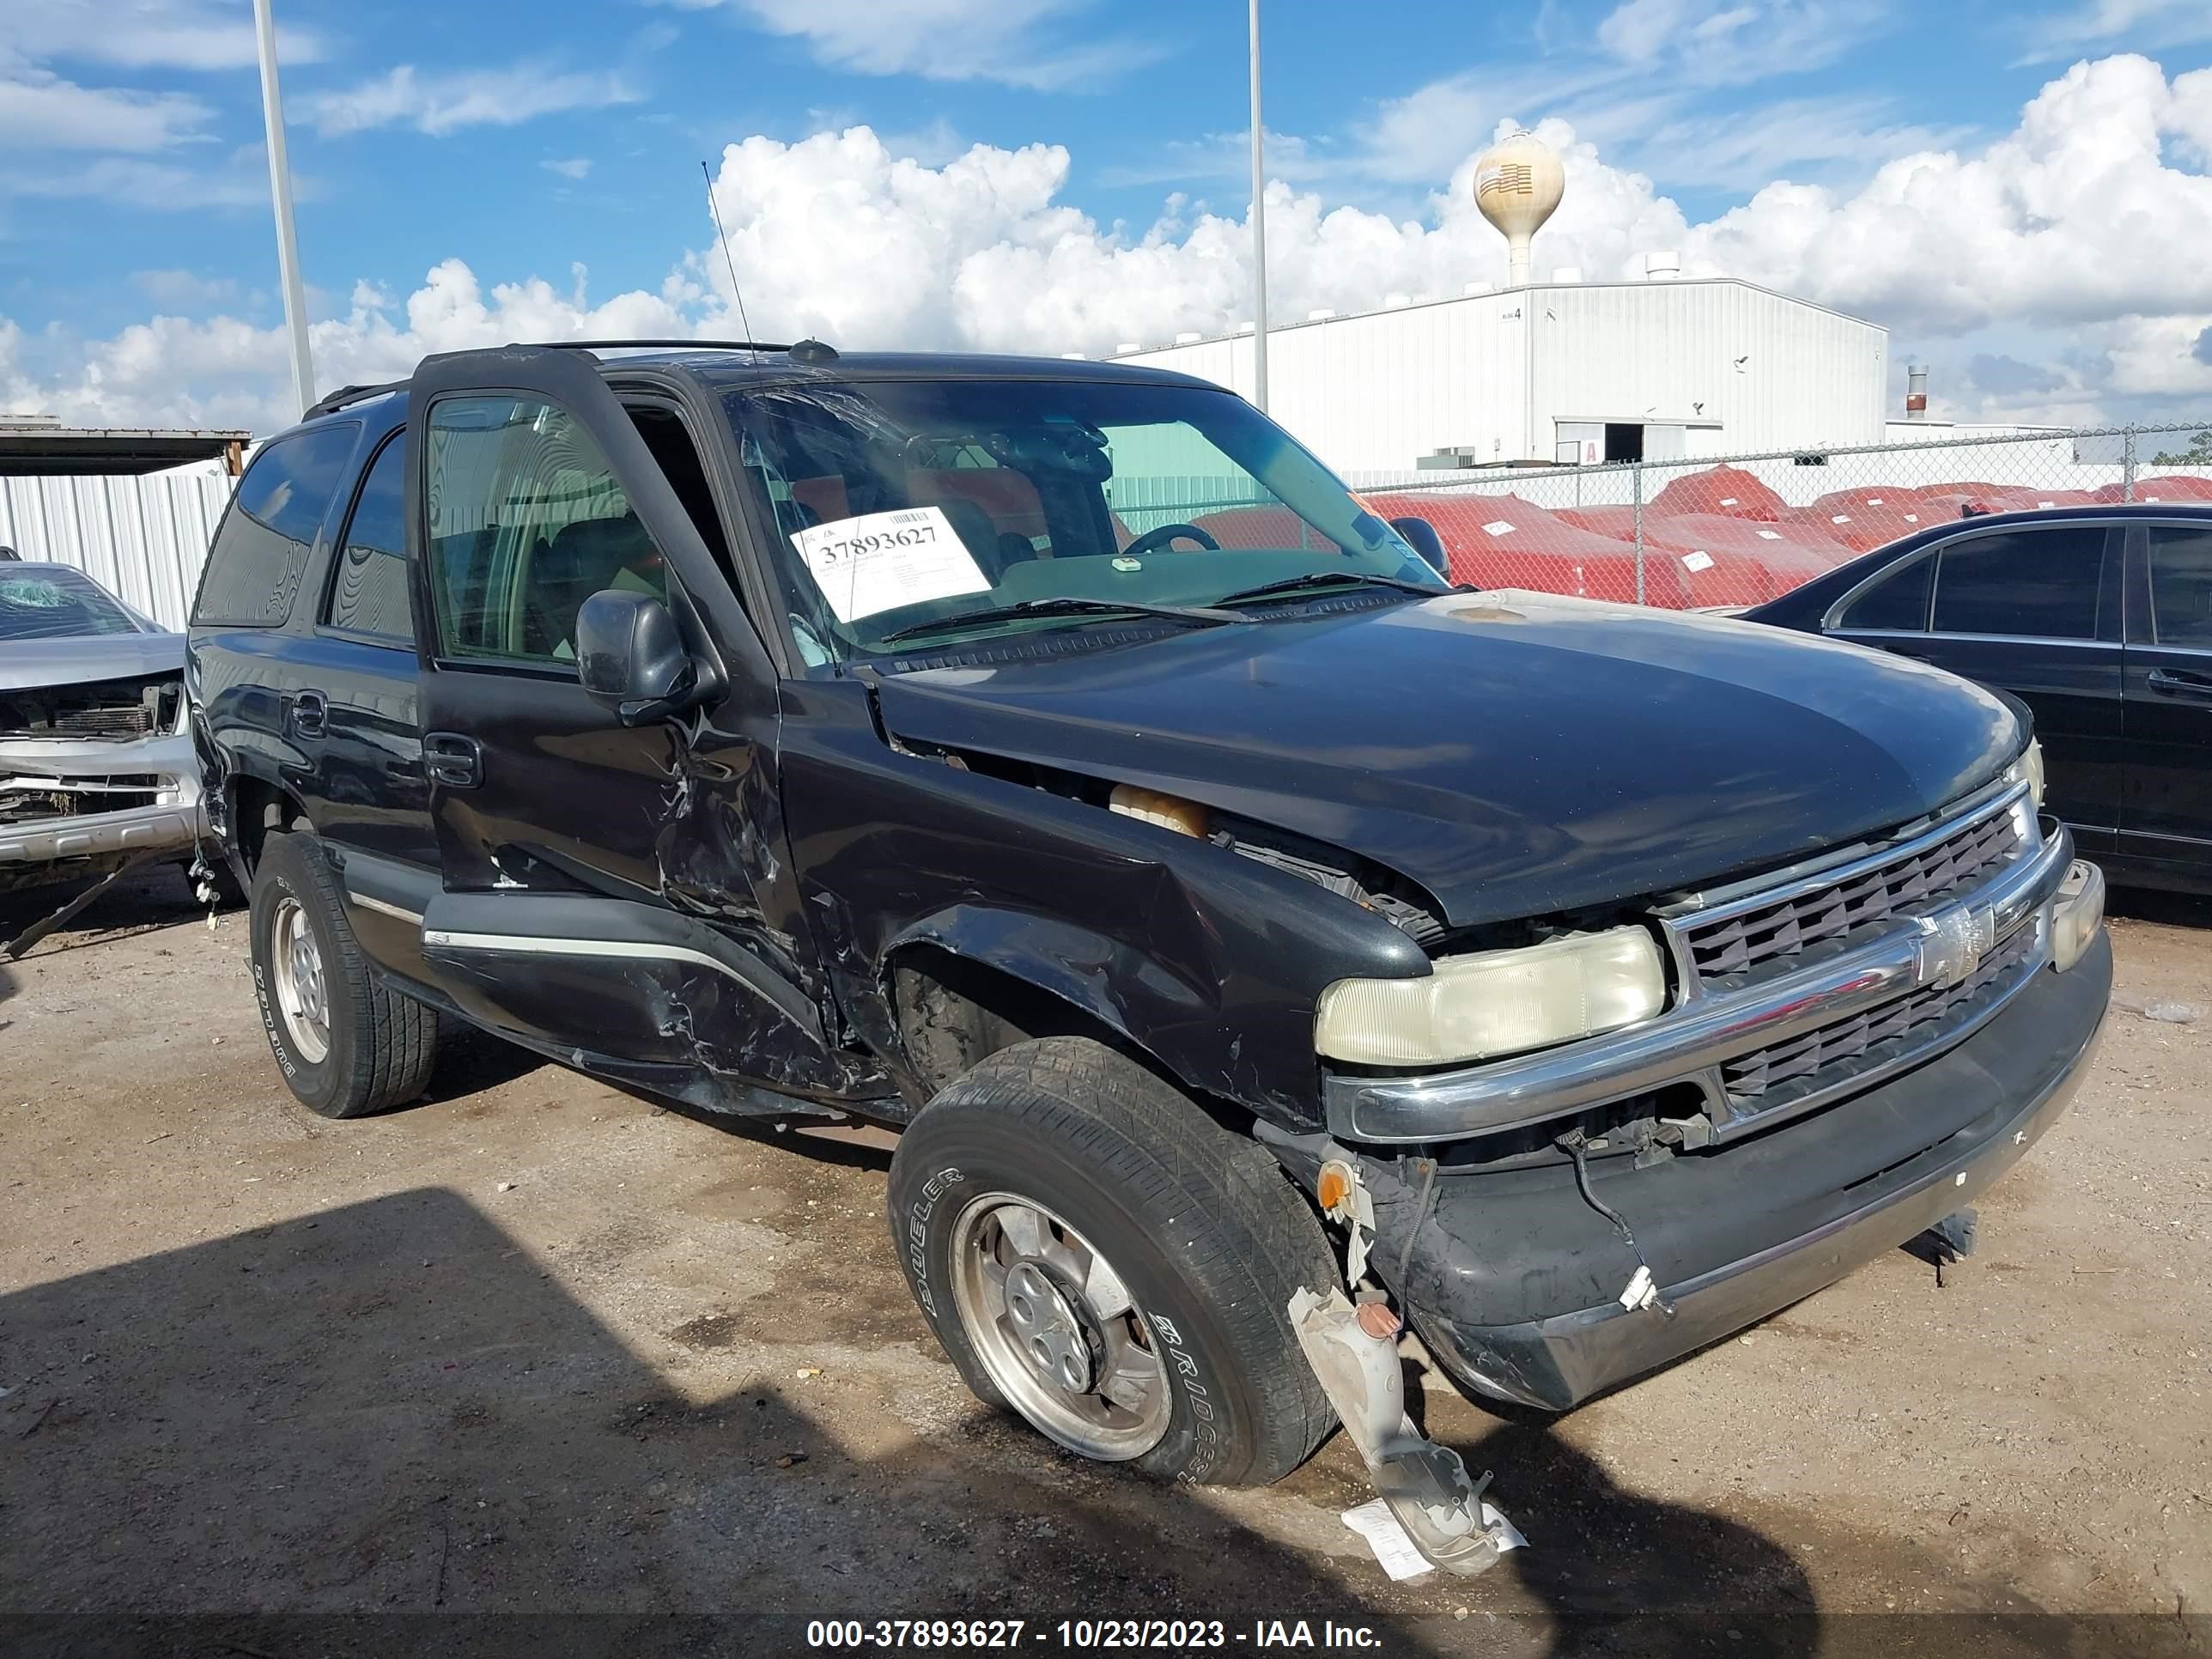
1327,578
1203,616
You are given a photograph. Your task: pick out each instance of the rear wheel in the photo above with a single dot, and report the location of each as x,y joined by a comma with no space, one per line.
347,1044
1098,1256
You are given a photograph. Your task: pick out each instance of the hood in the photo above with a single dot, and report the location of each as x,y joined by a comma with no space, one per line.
1515,753
25,664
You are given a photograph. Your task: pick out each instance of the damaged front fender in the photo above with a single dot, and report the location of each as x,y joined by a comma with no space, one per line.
1211,963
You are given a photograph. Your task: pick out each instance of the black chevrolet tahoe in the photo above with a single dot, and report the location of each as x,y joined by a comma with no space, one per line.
1054,762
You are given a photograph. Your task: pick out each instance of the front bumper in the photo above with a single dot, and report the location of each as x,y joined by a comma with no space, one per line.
1691,1041
1514,1283
36,850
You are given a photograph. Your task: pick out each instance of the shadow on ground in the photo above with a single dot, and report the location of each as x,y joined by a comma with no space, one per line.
157,896
348,1432
2150,904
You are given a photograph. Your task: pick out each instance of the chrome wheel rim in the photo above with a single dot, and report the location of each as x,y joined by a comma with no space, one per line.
1057,1329
301,995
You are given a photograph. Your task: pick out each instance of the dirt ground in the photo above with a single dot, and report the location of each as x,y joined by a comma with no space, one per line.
535,1347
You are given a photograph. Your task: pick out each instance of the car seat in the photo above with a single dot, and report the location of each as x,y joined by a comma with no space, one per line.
582,559
992,551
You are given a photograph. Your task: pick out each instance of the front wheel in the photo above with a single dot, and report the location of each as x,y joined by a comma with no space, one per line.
1097,1254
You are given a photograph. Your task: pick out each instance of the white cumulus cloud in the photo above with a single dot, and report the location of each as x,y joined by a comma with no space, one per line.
2075,216
223,371
2056,273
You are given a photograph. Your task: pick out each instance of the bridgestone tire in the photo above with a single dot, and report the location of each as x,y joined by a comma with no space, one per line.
383,1045
1201,1224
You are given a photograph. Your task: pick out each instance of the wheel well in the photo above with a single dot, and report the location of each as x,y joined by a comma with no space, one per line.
259,807
952,1011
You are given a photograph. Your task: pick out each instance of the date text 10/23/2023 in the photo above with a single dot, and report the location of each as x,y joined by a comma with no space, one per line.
1174,1635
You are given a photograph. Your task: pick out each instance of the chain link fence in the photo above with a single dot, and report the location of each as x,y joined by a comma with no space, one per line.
1733,530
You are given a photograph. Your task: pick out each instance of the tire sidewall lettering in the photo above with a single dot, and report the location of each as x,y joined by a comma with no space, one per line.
1198,1439
1186,1377
264,995
917,1234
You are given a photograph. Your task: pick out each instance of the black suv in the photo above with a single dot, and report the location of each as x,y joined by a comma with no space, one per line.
1053,760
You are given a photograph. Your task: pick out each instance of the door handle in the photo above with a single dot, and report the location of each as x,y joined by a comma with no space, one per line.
453,758
2178,683
310,712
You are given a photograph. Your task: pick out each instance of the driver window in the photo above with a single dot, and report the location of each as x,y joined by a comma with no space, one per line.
527,521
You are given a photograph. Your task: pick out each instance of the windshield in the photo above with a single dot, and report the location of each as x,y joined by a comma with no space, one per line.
37,603
899,502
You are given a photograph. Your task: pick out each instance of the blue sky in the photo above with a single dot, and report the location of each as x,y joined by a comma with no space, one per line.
525,140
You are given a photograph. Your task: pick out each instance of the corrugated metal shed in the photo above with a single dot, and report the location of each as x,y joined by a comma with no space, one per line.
1708,366
144,538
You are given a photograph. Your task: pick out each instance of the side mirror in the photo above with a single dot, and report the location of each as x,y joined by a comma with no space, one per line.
631,657
1421,536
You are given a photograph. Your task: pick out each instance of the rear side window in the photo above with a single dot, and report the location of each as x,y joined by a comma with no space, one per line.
2035,584
261,551
368,586
2181,587
1896,603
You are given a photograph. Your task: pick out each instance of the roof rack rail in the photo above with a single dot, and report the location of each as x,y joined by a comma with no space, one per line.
351,394
621,345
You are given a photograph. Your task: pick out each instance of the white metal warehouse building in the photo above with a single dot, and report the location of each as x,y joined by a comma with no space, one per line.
1562,372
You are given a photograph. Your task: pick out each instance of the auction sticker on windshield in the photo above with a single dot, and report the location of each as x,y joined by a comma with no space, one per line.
881,560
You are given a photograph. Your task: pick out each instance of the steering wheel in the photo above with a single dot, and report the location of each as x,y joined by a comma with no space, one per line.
1153,539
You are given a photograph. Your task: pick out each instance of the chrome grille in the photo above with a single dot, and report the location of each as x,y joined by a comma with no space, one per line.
1768,1079
125,720
1754,943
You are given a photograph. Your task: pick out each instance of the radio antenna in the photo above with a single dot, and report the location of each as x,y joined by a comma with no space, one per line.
714,208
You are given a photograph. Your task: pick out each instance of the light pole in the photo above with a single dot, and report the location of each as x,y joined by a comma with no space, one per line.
280,191
1259,230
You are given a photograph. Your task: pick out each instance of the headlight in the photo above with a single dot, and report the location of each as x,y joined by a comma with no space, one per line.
1495,1002
2028,770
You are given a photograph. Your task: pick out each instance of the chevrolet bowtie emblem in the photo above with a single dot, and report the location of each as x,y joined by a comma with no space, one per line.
1953,943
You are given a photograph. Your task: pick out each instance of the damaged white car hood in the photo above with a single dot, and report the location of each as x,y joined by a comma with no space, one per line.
25,664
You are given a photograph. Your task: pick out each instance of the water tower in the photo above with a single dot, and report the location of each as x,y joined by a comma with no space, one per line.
1518,182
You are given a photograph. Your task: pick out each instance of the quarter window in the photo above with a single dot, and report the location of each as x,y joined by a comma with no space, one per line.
2181,586
527,521
369,589
2035,584
1896,603
261,551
